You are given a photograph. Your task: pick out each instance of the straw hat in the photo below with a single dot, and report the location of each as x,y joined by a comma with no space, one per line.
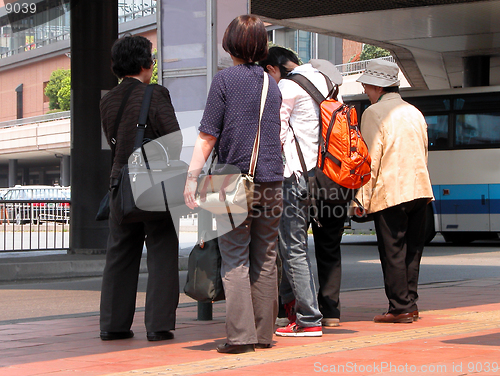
380,73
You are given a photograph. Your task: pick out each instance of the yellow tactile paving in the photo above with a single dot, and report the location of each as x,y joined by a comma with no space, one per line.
474,323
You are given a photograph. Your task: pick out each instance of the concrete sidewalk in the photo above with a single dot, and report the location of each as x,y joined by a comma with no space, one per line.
55,265
458,334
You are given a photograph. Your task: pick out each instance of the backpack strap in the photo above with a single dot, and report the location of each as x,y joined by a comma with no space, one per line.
312,90
310,182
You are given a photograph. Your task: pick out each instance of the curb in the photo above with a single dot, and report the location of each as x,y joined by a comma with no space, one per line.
15,271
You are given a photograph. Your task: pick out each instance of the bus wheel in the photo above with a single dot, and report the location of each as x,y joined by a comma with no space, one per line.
430,231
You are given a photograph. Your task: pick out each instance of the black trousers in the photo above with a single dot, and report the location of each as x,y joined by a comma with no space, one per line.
121,274
400,237
327,240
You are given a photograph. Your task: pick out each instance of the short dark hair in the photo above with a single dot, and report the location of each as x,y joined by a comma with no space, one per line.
278,57
129,54
391,89
246,38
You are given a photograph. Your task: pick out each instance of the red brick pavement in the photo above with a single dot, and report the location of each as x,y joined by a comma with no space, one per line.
458,334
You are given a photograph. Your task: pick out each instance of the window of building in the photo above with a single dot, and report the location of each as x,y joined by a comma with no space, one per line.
45,98
304,43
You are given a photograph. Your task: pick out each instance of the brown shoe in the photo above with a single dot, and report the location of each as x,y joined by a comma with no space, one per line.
226,348
415,315
392,318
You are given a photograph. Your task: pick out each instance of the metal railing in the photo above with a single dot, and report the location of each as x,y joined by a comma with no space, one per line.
35,45
131,13
36,119
358,66
34,225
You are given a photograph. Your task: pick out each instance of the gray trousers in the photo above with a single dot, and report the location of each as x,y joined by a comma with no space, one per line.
249,272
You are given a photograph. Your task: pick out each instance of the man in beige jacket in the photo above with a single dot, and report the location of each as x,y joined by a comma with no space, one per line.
399,190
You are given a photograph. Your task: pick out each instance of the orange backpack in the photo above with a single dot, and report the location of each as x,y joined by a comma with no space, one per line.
343,160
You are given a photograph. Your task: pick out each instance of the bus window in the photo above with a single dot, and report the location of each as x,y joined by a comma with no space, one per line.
477,129
430,104
477,102
437,130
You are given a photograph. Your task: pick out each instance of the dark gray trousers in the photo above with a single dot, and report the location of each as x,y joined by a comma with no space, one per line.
327,239
400,237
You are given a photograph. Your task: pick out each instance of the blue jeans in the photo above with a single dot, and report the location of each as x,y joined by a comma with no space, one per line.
297,282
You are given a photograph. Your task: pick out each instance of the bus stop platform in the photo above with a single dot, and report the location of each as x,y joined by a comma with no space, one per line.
458,334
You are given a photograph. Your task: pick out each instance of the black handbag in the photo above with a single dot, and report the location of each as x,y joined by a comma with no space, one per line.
204,281
103,212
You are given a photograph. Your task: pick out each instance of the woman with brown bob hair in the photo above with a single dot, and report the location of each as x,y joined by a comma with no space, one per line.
248,248
246,39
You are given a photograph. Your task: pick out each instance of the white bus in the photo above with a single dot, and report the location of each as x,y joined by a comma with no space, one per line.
464,159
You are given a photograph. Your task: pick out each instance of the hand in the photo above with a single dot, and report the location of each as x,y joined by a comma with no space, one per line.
190,193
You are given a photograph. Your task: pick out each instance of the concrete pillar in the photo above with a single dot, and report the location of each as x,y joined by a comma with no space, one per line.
65,171
42,176
476,71
12,172
26,176
94,28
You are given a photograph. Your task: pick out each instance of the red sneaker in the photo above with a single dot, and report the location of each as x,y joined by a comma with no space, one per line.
294,330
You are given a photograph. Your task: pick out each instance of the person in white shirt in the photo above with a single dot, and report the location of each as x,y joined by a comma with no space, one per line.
300,122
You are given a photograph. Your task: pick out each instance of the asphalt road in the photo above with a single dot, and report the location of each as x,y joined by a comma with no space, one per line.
361,270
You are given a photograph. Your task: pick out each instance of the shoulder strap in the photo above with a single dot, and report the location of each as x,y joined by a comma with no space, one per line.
312,90
256,144
119,118
143,116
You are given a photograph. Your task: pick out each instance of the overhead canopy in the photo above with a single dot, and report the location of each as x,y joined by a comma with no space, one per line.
428,38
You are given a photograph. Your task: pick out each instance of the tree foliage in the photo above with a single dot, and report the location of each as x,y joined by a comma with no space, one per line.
58,79
373,52
154,77
64,94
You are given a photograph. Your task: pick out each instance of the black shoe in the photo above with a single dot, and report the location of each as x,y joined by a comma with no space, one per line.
160,336
110,336
263,345
235,349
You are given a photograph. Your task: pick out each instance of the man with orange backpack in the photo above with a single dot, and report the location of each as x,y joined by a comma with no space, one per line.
307,312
